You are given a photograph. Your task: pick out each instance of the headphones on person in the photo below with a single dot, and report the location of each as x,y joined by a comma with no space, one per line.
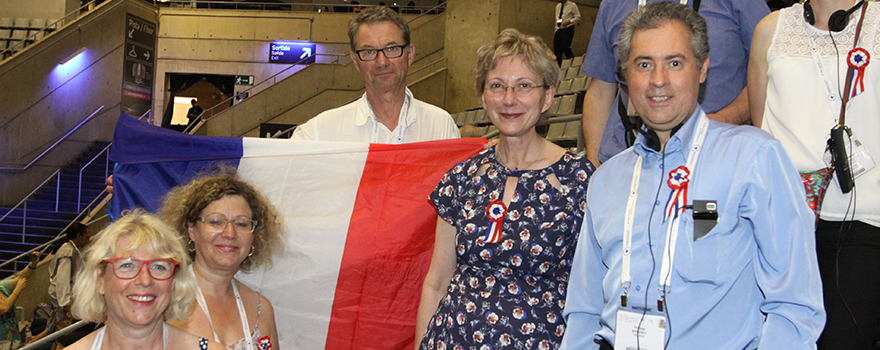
838,20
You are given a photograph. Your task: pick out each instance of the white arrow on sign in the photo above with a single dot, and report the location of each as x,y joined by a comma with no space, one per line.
147,55
130,33
307,52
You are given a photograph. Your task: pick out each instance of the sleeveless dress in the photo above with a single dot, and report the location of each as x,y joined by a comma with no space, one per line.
10,338
260,342
799,110
99,339
508,294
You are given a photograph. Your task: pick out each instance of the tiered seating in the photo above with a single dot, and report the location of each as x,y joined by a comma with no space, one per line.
570,78
17,33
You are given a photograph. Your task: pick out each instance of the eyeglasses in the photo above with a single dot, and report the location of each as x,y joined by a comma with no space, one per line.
372,54
218,222
128,268
498,89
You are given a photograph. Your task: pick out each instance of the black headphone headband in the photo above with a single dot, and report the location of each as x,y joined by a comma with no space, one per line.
838,20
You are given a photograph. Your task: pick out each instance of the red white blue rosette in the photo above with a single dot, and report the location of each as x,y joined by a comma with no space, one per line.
858,59
678,182
496,211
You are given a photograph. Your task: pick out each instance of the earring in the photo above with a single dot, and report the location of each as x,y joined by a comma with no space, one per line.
191,246
252,250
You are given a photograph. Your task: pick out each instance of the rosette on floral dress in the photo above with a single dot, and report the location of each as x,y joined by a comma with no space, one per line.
496,211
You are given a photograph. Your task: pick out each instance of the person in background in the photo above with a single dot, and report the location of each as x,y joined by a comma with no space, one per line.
132,282
193,114
470,131
567,16
724,95
62,272
729,261
10,290
799,103
229,227
508,218
387,112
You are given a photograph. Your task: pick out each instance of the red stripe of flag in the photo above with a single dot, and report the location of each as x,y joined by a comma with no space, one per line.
389,243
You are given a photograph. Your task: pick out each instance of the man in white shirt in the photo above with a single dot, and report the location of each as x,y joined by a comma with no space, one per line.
387,112
63,268
567,16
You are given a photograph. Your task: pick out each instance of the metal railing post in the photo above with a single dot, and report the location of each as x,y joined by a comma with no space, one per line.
58,191
79,189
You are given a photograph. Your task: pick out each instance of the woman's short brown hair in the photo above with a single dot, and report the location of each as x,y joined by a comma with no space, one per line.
510,42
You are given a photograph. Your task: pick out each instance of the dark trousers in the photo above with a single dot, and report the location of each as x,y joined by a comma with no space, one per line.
562,43
852,297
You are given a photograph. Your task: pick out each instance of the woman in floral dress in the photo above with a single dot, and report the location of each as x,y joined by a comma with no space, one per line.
509,217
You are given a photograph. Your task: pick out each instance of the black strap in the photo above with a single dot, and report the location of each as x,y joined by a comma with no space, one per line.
630,127
697,5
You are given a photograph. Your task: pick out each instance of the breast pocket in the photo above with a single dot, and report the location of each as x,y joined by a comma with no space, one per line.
698,261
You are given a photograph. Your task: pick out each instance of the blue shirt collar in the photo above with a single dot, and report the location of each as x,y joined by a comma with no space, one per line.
676,143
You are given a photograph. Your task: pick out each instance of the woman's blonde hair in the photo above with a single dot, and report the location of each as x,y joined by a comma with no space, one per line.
142,230
183,205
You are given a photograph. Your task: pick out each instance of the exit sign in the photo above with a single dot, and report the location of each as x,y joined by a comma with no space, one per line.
295,52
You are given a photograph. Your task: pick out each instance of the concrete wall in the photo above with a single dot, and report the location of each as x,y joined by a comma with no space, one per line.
471,24
45,9
229,42
43,100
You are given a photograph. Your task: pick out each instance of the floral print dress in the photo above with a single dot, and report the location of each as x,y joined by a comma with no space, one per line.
508,294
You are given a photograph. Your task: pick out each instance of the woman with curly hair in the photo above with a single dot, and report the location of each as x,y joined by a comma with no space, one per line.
229,227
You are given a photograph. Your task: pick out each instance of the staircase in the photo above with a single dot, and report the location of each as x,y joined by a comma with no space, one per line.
37,221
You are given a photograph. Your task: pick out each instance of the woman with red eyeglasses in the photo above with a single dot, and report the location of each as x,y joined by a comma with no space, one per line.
132,283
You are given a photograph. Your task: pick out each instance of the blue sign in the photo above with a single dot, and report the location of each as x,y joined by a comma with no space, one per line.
300,53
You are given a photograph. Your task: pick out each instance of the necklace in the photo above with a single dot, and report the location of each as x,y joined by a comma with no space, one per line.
527,166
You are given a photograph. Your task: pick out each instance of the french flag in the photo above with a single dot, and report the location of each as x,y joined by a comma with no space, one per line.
359,226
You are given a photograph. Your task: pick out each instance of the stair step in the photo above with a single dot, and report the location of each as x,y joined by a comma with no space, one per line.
30,229
43,222
28,237
93,185
46,222
86,197
91,170
38,213
68,191
62,206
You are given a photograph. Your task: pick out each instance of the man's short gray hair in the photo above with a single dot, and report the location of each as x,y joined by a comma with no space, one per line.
653,16
374,15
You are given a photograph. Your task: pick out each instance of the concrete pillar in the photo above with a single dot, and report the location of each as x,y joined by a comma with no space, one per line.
469,25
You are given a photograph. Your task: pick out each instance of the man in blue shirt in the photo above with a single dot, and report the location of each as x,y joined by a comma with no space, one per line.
731,24
698,236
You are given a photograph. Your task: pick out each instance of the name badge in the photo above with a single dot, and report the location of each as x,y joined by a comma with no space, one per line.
635,331
859,158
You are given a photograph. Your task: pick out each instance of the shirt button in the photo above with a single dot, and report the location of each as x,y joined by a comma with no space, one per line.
638,288
656,203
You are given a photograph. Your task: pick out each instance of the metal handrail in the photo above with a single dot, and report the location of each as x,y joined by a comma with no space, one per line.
54,335
192,128
56,142
238,5
60,236
23,42
106,173
426,66
56,173
440,5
